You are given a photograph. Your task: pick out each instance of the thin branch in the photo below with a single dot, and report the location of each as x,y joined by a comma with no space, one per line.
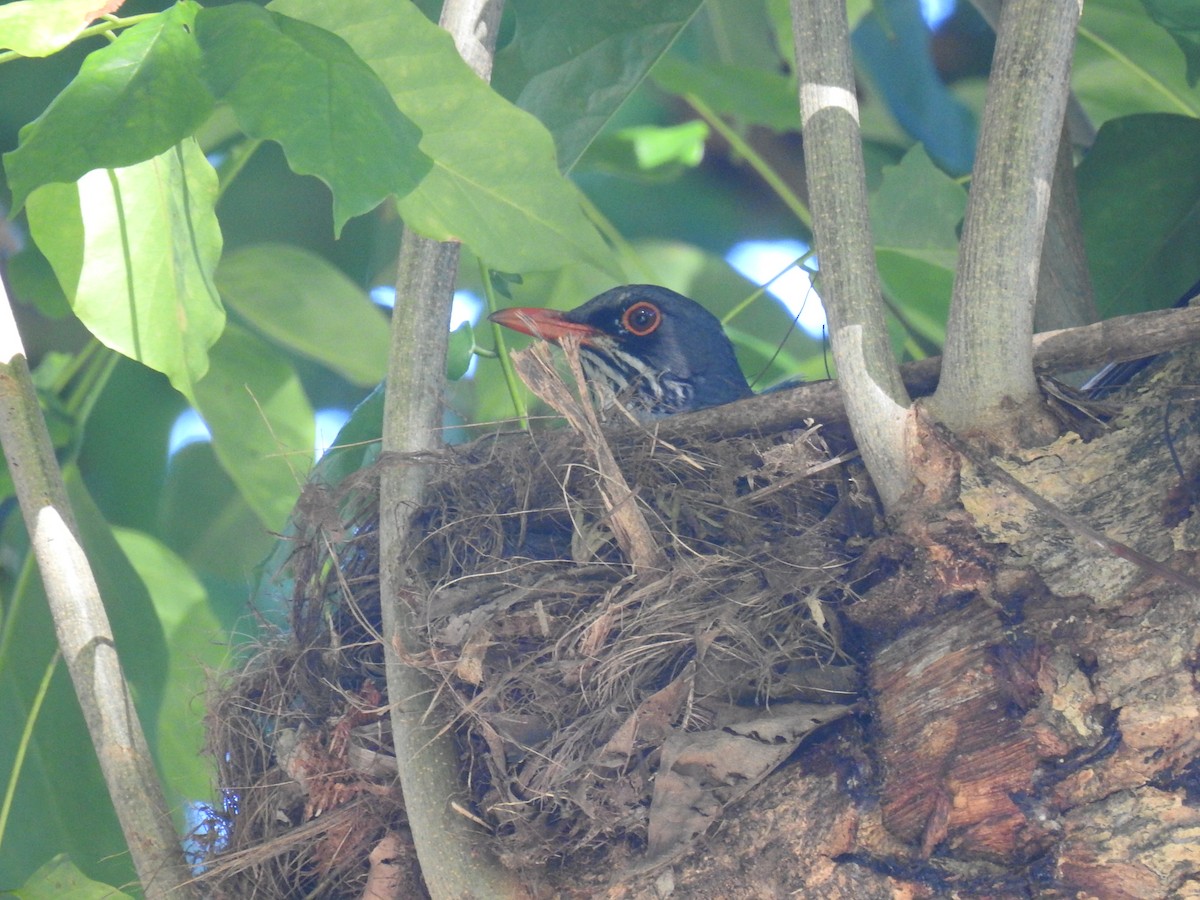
873,391
81,625
454,861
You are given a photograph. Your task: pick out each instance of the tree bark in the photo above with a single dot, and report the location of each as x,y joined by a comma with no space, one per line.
1032,726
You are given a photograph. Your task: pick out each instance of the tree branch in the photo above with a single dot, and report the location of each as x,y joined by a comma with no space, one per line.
454,863
82,627
874,394
987,378
1111,341
1064,288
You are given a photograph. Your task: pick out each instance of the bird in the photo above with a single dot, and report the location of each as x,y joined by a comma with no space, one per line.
648,347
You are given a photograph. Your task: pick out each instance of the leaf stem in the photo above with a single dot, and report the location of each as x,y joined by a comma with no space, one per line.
104,27
743,148
35,708
506,366
631,260
238,157
799,261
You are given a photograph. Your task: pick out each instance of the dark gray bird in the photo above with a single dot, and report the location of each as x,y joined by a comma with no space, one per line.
656,351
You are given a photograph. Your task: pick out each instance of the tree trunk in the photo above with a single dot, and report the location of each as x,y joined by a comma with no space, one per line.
1033,722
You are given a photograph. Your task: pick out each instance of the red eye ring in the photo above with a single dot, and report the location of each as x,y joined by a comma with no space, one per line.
641,319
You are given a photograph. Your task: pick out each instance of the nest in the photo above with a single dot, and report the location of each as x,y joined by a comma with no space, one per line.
609,700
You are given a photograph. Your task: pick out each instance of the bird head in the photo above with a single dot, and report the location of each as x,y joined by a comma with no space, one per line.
653,349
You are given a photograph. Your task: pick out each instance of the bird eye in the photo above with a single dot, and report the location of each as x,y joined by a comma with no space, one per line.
641,319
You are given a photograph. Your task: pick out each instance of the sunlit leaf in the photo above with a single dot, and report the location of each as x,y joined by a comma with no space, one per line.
650,151
495,184
261,421
131,101
42,27
134,250
1126,64
302,302
194,640
1139,196
303,87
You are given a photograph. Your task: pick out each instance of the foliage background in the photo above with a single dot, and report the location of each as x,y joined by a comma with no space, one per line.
687,144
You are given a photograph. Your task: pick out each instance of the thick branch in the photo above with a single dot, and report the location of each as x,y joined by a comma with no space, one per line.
453,860
1113,340
988,372
874,394
82,627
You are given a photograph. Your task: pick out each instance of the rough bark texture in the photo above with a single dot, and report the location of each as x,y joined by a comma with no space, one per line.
1033,721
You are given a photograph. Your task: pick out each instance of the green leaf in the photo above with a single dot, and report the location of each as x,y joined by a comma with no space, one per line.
915,216
357,443
42,27
1182,19
131,101
494,184
301,301
754,96
60,878
297,84
197,646
134,250
573,64
262,424
917,210
460,351
649,152
31,281
206,520
1139,197
1124,64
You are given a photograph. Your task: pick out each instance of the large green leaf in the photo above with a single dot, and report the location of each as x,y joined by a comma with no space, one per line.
301,301
494,184
42,27
196,646
134,250
1139,196
290,82
205,519
573,64
915,216
130,101
1125,64
261,422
